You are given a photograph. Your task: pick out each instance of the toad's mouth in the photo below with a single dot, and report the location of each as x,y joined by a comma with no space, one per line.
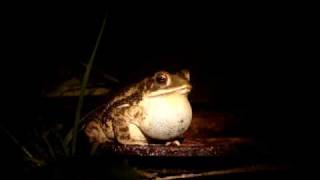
183,90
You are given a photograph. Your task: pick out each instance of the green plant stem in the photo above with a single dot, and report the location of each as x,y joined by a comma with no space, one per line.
83,88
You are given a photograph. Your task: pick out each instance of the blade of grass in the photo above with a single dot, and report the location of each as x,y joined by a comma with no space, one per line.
64,147
24,149
83,88
50,148
94,147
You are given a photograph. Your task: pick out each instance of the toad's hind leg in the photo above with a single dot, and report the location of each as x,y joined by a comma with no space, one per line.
98,133
126,132
95,133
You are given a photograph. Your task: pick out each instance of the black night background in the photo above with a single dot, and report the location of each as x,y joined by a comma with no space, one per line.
247,60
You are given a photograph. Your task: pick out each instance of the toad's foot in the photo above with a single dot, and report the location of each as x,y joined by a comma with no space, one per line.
175,142
133,142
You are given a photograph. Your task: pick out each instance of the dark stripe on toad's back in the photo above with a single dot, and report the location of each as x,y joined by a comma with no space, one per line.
131,100
137,114
124,136
124,129
135,98
119,122
126,92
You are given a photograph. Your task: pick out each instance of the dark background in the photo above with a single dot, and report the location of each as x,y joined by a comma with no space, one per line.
251,60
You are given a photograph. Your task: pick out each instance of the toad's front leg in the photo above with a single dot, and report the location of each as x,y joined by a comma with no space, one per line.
124,130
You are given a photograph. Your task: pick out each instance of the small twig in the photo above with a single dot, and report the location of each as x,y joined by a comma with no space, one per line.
222,172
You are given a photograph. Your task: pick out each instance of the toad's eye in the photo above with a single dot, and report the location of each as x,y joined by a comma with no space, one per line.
161,78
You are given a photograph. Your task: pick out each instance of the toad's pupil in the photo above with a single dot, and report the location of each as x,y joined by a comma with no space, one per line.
161,79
